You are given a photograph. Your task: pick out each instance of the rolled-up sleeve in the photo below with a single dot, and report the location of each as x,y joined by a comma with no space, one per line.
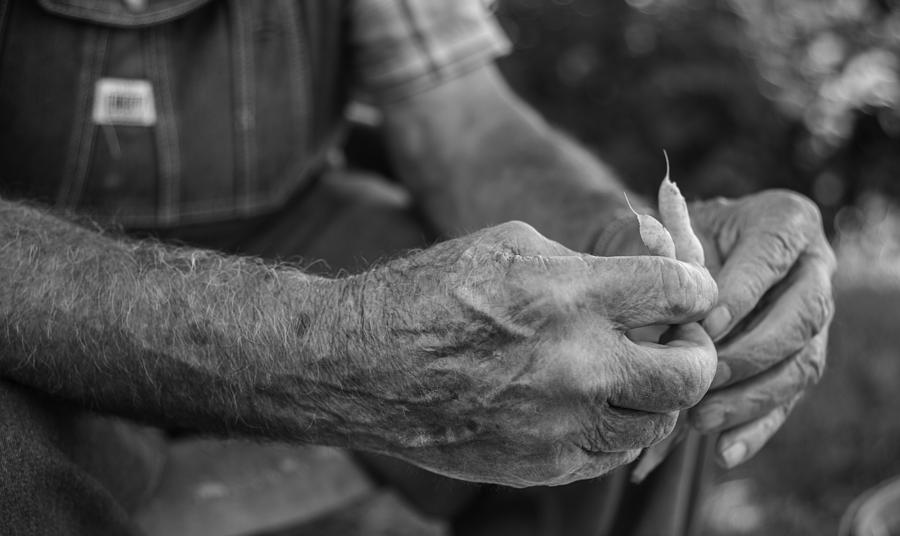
402,47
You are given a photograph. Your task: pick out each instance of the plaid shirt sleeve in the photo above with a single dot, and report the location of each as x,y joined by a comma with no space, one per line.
402,47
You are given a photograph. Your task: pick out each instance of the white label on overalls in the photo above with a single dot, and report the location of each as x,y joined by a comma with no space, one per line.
118,101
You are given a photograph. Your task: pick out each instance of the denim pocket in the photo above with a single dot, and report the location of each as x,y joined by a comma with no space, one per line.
228,83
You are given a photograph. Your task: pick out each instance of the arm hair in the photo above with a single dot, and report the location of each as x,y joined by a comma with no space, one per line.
175,336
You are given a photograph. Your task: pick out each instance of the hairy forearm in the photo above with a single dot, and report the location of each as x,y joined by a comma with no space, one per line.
492,159
174,336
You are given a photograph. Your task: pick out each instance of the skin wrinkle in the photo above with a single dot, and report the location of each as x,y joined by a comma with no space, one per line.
491,324
362,406
805,323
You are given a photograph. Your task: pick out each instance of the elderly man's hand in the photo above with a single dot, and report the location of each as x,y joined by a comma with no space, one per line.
774,269
501,356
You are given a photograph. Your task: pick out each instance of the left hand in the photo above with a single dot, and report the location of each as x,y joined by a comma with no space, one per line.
773,266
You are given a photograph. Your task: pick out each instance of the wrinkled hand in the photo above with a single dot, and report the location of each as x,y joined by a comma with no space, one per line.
505,358
774,269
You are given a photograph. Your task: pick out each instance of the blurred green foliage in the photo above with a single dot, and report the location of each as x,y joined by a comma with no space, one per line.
802,94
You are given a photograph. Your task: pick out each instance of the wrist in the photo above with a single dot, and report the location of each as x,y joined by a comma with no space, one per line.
353,330
337,373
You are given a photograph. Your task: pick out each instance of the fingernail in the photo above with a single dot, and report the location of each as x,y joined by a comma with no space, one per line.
717,321
734,454
723,374
708,419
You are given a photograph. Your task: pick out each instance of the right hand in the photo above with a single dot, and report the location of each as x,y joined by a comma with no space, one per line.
502,357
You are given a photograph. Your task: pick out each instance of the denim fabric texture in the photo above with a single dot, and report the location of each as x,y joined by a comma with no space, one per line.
248,97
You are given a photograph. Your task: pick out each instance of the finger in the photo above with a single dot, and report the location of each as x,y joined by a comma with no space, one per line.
761,258
741,443
631,291
597,466
746,401
800,307
621,429
587,465
665,378
657,291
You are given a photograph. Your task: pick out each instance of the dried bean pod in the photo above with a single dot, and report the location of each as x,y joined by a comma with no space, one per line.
674,214
687,248
653,234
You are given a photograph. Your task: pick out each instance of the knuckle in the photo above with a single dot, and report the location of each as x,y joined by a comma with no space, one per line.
825,254
766,426
522,239
693,388
662,426
811,318
809,367
515,227
620,432
516,231
554,464
782,412
782,246
808,208
629,456
686,292
816,367
743,294
821,308
603,438
829,259
795,205
561,466
688,383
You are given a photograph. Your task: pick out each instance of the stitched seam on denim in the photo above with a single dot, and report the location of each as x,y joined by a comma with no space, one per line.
83,131
300,75
418,36
250,81
245,112
111,18
152,72
167,124
237,157
82,101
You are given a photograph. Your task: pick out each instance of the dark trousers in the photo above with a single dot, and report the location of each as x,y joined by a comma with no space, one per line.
65,471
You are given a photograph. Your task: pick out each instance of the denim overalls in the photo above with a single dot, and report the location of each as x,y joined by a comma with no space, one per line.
167,112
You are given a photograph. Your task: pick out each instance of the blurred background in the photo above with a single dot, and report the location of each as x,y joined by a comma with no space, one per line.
799,94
